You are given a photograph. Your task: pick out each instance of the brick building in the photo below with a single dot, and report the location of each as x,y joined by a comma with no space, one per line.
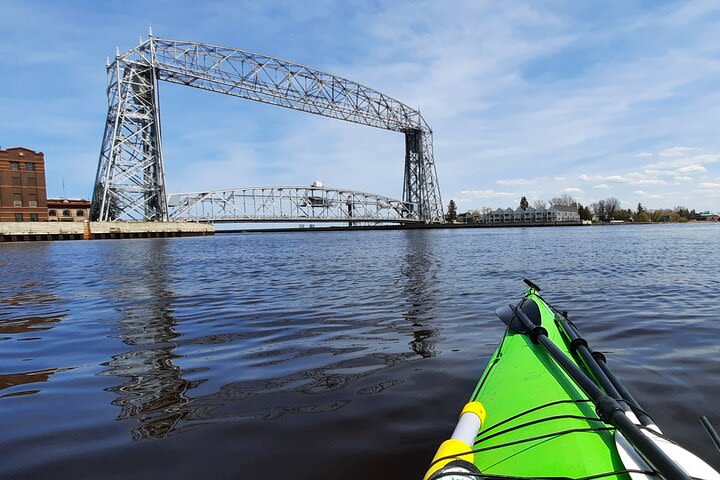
68,209
22,186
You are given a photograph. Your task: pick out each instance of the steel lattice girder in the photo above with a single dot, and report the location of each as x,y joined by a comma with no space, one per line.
288,204
247,75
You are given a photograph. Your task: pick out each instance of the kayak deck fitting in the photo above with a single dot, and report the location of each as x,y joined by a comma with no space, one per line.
529,417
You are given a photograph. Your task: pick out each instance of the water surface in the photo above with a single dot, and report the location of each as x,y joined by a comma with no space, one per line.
314,355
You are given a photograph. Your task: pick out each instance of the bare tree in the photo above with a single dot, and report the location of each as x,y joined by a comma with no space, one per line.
539,204
599,210
564,201
612,205
606,209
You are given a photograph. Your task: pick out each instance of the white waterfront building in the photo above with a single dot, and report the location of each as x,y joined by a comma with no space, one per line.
555,214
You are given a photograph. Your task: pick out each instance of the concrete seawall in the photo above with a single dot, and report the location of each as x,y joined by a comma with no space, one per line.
38,231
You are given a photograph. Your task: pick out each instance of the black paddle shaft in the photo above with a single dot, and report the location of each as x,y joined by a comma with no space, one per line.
615,388
711,431
612,385
607,407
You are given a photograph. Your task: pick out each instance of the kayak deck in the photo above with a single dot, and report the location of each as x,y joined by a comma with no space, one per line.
539,423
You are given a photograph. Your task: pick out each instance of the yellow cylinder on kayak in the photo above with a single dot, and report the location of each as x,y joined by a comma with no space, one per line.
458,447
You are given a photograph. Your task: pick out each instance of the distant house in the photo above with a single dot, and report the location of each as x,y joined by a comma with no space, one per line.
708,217
467,217
566,214
556,214
498,216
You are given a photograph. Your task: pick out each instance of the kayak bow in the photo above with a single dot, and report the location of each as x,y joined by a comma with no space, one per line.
555,410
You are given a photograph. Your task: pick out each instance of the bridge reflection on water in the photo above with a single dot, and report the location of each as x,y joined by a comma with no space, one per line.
157,390
154,393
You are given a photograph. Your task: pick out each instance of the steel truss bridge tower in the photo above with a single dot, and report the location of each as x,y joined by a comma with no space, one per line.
130,179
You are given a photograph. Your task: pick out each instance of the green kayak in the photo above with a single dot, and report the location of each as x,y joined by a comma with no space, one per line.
530,417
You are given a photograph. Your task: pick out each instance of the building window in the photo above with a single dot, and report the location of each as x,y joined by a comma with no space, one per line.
80,213
18,217
32,203
17,203
14,166
66,213
33,217
52,213
30,181
29,166
16,180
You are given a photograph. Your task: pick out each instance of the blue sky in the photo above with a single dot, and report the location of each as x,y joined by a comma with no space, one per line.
595,99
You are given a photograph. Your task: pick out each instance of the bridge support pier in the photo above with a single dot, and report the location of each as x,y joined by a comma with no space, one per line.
412,184
420,186
130,177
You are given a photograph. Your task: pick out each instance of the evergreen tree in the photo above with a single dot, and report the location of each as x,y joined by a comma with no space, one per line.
584,212
640,209
452,212
524,203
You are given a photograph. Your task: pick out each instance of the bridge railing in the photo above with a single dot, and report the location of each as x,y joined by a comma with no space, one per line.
289,204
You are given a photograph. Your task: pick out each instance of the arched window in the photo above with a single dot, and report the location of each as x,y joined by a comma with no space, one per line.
80,213
52,213
66,213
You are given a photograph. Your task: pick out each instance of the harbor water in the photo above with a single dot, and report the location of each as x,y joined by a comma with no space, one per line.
316,355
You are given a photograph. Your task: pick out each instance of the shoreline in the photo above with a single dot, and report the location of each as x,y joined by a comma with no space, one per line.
438,227
337,228
11,232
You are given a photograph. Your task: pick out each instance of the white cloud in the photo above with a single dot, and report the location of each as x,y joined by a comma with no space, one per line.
559,179
585,178
516,181
573,190
685,161
692,169
632,178
489,193
644,194
469,199
616,179
601,186
647,181
683,179
676,151
708,185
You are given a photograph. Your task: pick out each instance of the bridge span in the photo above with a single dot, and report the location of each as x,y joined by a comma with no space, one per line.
314,203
